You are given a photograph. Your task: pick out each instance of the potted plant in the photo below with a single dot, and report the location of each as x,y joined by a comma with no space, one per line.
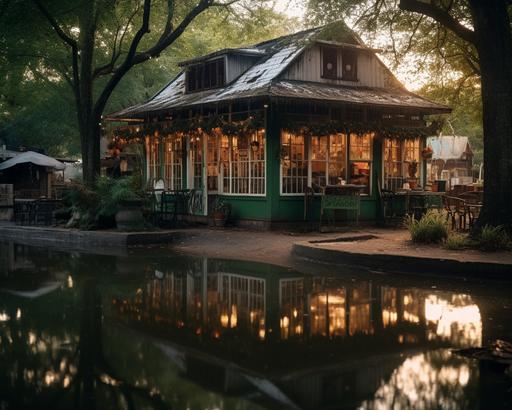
127,201
413,169
427,153
221,212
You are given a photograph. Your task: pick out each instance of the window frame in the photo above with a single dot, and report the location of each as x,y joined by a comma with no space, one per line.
172,161
403,160
201,78
354,74
308,156
229,180
325,51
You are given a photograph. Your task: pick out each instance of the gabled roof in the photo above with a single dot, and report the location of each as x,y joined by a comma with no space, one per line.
262,79
449,147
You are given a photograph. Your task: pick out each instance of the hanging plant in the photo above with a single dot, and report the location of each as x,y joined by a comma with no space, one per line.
427,153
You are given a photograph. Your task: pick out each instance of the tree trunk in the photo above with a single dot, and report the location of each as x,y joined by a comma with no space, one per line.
90,135
494,45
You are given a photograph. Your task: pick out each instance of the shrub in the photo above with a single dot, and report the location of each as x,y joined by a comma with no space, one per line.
493,238
431,228
456,241
96,207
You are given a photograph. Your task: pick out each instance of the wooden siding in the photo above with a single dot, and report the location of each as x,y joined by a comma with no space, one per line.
308,67
236,65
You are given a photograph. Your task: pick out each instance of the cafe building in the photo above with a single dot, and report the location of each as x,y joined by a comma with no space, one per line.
271,128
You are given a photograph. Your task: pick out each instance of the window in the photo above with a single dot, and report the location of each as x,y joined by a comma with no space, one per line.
153,160
212,168
173,163
317,161
205,75
196,151
349,65
392,164
398,157
329,62
236,164
328,160
294,164
360,158
248,164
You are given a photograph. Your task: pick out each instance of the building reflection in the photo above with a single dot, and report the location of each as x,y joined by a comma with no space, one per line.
215,302
361,338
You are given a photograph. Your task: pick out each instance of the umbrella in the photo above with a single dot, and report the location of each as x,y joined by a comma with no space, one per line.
34,158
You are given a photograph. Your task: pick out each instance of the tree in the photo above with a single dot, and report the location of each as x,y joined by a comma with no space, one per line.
31,66
479,36
102,53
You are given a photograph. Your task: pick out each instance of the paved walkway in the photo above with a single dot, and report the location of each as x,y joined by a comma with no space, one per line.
378,249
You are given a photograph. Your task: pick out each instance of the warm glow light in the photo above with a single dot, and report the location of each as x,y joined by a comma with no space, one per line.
458,320
70,281
224,320
4,317
18,314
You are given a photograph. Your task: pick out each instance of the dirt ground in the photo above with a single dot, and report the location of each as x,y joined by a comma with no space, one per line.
275,247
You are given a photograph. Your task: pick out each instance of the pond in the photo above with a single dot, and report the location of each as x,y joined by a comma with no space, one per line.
154,330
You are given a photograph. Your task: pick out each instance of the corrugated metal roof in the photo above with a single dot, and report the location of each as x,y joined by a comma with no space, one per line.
262,80
355,95
449,147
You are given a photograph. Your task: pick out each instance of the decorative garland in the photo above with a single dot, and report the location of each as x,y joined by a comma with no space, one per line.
334,127
252,124
191,126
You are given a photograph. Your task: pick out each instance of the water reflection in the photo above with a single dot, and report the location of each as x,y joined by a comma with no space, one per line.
216,303
151,332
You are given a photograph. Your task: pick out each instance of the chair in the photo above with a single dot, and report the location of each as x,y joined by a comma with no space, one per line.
473,205
44,212
455,210
23,213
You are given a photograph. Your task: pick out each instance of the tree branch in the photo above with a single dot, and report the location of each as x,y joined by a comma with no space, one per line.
66,38
439,15
70,42
134,58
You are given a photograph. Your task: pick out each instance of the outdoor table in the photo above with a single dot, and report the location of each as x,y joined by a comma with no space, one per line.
418,202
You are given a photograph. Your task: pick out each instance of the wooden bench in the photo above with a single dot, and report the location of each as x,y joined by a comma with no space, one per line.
341,197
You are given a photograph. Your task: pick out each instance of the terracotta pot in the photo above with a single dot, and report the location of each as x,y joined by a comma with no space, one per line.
219,219
129,217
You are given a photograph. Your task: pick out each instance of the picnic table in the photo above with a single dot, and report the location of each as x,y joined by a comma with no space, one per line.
417,202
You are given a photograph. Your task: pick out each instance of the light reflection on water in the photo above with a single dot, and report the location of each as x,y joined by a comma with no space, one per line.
198,333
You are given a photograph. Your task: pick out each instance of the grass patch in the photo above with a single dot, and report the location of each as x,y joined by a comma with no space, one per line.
431,228
457,242
493,238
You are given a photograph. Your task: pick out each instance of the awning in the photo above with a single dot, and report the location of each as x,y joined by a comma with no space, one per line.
34,158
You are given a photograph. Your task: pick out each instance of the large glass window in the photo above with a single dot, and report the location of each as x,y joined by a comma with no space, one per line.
196,149
173,162
212,173
401,162
318,161
360,158
153,160
328,160
294,163
236,164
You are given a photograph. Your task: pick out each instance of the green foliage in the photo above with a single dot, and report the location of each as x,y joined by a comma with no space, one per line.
96,207
221,207
37,106
456,242
493,238
431,228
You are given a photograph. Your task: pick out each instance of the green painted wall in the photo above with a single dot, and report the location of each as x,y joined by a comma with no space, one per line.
276,208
